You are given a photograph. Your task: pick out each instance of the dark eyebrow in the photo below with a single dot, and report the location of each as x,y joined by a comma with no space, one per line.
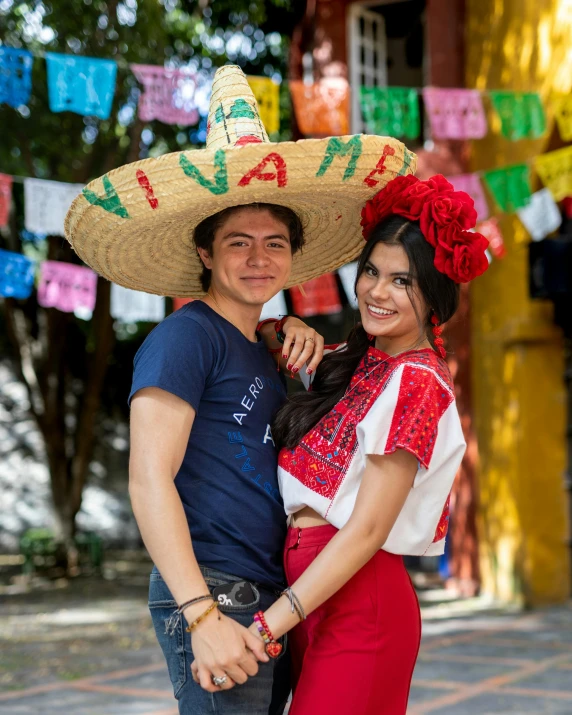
241,234
398,274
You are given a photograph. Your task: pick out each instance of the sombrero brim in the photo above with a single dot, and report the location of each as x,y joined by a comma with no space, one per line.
135,225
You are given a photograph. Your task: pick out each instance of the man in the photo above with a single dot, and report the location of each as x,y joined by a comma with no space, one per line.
223,224
203,460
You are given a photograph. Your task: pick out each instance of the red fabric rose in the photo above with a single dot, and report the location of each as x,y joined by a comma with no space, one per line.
410,205
463,258
439,184
381,205
443,210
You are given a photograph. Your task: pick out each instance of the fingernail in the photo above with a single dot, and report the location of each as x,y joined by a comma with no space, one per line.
285,357
295,369
309,371
289,366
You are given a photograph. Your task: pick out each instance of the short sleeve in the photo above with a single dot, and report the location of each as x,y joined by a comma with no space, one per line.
407,414
177,356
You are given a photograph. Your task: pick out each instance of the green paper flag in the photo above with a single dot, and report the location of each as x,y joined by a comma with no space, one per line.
521,114
392,111
510,186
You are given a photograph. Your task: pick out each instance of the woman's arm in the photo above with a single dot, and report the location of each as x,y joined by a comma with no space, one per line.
302,345
385,486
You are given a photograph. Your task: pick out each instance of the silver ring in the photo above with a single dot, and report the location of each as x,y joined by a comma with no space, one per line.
219,681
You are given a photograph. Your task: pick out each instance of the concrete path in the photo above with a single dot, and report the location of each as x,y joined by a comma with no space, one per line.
90,650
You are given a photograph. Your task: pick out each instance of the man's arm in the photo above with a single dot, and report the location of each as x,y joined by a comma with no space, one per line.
160,427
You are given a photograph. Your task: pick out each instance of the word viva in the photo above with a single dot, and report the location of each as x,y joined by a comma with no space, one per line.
272,168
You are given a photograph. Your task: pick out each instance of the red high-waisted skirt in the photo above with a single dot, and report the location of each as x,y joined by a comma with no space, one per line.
355,654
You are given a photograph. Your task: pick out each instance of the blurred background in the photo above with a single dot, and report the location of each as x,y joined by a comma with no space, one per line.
481,91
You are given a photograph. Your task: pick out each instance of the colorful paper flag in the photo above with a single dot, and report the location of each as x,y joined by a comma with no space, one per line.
392,111
16,275
321,109
267,94
84,85
5,197
471,184
555,170
15,76
180,302
168,95
67,287
491,230
542,216
455,113
510,186
133,306
521,114
563,113
348,275
316,297
46,204
275,307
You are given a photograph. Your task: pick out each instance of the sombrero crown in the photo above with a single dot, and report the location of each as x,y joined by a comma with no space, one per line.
135,224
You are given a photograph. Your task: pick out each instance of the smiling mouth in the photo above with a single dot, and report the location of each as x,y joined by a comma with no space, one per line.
380,312
258,278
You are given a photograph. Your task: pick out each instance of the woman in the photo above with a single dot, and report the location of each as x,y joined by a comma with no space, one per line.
369,456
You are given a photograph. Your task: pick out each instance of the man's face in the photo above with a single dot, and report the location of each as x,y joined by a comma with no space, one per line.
250,258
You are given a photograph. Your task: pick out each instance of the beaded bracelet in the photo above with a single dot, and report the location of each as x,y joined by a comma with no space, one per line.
203,615
271,646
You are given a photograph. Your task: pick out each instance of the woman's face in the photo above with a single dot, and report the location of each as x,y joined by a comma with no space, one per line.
383,291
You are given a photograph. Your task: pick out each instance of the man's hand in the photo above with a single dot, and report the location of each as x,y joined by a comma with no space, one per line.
302,345
224,647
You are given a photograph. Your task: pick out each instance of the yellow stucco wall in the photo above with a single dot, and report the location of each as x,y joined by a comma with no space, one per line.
517,356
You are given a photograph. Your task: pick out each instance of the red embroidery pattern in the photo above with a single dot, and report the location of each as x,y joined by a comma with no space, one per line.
258,171
443,525
380,167
145,184
322,459
422,401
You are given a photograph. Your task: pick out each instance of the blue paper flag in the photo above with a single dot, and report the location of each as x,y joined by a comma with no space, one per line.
84,85
16,275
15,76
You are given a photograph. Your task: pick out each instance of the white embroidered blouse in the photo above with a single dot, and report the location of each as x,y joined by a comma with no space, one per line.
402,402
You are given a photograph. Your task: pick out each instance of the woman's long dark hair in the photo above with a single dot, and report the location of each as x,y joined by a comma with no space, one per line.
440,295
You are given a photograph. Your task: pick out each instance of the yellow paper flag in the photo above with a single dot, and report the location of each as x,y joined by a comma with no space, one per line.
267,94
563,111
555,170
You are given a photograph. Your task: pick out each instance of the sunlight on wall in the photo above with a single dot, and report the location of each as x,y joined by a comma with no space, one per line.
517,352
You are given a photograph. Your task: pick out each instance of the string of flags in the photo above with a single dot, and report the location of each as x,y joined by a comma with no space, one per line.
86,86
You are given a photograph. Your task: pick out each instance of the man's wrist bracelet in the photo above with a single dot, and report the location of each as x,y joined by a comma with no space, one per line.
203,615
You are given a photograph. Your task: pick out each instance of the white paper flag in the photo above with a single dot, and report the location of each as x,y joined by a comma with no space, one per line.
46,204
347,275
133,306
541,216
275,307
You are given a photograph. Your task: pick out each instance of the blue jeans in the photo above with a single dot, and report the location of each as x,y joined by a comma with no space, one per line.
264,694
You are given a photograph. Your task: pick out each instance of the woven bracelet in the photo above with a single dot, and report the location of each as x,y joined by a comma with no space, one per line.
203,615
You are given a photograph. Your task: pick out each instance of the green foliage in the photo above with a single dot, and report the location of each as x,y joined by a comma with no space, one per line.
69,147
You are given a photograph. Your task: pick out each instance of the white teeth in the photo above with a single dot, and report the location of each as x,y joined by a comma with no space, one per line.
381,311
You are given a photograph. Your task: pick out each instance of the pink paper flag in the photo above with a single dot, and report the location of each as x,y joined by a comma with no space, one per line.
471,184
5,198
491,230
66,287
168,95
455,113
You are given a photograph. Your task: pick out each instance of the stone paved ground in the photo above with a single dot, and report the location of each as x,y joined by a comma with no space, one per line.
88,649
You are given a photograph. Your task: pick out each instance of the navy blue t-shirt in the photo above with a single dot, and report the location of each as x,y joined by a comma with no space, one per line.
228,479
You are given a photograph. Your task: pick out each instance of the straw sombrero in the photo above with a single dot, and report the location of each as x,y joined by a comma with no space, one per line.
135,224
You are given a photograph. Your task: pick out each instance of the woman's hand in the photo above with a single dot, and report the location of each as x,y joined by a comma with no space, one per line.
301,345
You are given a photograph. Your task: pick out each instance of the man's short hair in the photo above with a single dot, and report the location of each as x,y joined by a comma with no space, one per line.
204,233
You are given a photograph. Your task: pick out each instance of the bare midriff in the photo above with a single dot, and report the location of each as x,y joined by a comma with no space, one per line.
307,517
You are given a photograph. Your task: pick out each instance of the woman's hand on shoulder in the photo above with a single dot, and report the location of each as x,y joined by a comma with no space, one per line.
302,345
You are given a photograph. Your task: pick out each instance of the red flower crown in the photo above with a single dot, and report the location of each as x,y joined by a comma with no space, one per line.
444,216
